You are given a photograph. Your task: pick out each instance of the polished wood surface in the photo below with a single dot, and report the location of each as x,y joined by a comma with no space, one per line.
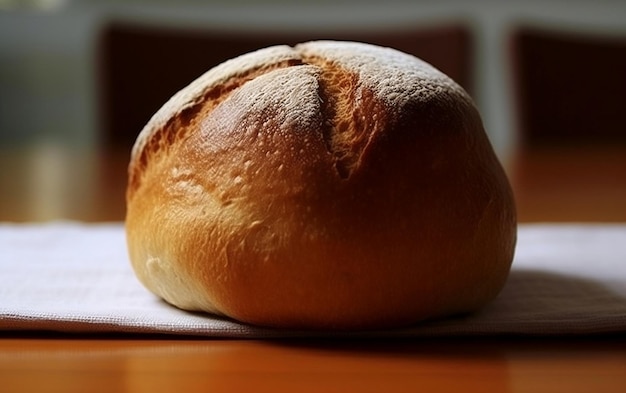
166,365
564,184
570,183
51,182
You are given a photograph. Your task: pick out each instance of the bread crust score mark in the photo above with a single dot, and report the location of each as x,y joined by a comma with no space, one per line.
351,114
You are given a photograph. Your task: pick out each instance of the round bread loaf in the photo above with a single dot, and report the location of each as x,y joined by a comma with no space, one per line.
330,185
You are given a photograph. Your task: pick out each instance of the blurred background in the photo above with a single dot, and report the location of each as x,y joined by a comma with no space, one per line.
80,78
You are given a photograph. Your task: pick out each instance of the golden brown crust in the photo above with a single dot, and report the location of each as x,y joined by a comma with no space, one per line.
342,186
176,117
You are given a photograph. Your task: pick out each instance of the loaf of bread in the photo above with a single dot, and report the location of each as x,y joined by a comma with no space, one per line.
329,185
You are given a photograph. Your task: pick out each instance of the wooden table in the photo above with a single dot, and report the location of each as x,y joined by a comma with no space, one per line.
570,183
567,184
550,186
110,364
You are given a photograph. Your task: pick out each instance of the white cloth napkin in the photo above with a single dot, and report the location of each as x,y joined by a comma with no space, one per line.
73,277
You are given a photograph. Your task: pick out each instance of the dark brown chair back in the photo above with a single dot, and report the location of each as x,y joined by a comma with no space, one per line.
142,66
570,87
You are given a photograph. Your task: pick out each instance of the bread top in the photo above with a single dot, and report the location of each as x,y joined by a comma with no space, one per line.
395,77
341,72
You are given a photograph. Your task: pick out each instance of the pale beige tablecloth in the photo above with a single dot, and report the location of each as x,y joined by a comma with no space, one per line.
72,277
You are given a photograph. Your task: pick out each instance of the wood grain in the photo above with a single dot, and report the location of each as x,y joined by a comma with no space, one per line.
161,365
